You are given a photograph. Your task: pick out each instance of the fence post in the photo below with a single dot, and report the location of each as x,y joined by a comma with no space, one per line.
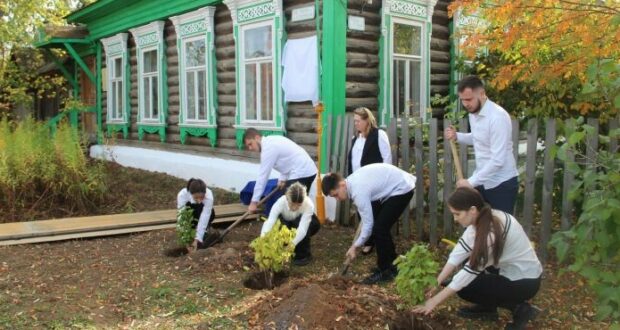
432,193
515,150
448,185
613,142
419,173
530,175
464,148
591,151
567,180
547,192
404,132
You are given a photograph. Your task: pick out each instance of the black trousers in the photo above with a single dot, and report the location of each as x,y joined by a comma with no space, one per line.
302,250
307,182
494,290
502,197
385,216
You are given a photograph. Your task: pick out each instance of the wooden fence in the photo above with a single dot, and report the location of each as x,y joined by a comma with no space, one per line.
426,218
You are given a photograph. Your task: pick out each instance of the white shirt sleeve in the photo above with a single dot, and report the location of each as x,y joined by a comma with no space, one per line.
364,207
267,160
274,213
384,147
499,140
463,248
203,222
465,138
304,223
182,198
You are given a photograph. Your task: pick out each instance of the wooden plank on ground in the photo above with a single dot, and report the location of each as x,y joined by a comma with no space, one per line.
547,192
29,229
530,175
432,194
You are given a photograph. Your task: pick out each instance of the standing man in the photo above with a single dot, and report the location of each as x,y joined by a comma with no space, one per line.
496,173
381,193
291,160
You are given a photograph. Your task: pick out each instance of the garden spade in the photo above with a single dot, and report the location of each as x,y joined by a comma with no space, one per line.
347,263
457,160
211,240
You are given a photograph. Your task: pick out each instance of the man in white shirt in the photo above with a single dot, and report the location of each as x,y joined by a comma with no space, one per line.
491,135
283,155
381,193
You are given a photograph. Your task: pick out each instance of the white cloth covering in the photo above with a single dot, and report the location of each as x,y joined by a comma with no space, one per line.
300,79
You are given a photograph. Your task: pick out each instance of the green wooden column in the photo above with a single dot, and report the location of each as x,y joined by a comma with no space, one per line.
334,66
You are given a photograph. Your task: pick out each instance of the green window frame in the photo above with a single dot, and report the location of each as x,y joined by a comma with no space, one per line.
407,14
152,79
117,84
252,17
198,104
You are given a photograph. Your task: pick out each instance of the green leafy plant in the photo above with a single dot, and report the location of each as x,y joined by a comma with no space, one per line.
72,104
592,245
274,251
185,230
417,272
39,172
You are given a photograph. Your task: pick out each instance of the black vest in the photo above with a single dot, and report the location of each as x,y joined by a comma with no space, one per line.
371,153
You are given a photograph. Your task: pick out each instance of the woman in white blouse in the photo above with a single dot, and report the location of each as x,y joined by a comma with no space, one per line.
502,269
370,145
295,210
199,198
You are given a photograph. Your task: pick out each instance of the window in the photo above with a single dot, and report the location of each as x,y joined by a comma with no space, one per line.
195,75
407,70
152,78
115,107
149,87
116,86
257,74
406,26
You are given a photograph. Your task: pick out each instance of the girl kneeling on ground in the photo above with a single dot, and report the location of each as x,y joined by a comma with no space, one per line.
295,210
502,269
199,198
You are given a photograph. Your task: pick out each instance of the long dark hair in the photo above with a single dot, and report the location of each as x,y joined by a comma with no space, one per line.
462,199
196,186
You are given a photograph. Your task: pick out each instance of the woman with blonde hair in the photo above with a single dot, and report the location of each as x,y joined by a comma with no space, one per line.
370,145
295,210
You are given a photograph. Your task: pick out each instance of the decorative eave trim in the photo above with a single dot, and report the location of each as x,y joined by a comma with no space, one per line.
140,33
422,9
206,13
115,45
243,11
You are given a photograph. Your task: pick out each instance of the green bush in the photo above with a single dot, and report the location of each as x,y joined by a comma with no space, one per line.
185,231
417,271
592,245
40,172
274,251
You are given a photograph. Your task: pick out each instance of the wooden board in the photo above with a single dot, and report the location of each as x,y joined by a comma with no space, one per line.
31,229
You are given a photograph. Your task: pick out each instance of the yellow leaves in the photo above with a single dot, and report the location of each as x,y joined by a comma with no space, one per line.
274,250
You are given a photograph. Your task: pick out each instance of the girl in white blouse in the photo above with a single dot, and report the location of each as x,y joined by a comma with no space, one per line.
502,269
199,198
295,210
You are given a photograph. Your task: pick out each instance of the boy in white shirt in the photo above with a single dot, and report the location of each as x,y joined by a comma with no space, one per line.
283,155
381,193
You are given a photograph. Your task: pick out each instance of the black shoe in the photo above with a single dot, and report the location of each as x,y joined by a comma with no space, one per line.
383,276
522,314
478,312
302,261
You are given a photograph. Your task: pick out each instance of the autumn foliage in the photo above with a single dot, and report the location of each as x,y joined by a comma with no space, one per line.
570,49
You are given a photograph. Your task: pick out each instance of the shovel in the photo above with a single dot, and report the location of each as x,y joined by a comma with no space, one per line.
212,240
347,262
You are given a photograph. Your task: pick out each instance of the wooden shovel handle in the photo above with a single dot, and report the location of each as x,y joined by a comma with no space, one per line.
245,215
457,160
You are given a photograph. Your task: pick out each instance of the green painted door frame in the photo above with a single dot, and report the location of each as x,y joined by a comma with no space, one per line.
333,67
